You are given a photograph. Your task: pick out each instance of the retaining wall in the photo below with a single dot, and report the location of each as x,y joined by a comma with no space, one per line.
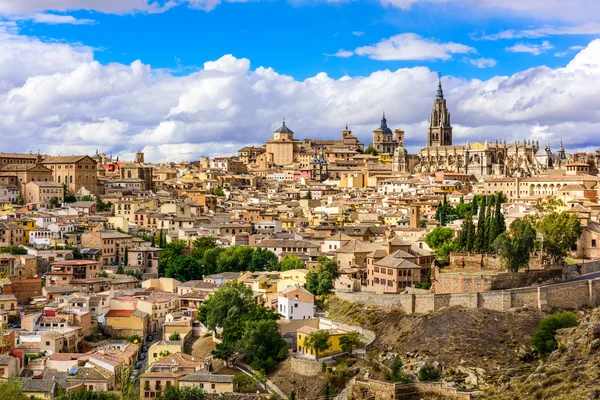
569,295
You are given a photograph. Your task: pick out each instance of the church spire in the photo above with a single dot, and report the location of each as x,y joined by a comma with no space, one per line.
440,91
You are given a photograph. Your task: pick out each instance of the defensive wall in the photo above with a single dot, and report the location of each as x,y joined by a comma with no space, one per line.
569,295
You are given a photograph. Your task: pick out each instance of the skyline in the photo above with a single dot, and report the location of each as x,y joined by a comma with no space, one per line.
91,74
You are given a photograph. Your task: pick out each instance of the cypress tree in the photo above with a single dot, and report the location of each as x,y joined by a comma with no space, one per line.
480,242
489,219
470,241
152,242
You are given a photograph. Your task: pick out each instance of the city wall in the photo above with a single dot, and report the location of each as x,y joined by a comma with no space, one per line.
570,295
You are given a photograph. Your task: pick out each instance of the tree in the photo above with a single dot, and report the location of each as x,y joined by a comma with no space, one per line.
440,240
543,340
350,341
233,300
263,260
182,393
175,336
319,281
370,150
218,192
12,390
54,201
202,244
152,243
318,341
515,245
184,268
126,256
103,274
438,237
209,260
423,223
307,196
14,250
428,373
560,232
235,259
464,241
480,242
164,353
263,345
120,270
291,262
397,373
170,252
84,394
102,206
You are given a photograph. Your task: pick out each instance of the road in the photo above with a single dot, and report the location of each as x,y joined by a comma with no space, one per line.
586,277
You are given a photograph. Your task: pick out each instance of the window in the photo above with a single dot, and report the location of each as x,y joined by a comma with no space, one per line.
593,242
212,386
47,343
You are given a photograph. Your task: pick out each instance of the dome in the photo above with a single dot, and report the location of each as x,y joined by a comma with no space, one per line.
384,128
284,129
400,151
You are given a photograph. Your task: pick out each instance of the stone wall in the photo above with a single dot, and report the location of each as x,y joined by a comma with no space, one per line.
305,367
24,289
473,262
569,295
510,280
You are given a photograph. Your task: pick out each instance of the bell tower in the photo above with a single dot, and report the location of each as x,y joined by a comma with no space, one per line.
440,129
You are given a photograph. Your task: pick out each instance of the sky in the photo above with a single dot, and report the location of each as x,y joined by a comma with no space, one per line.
178,79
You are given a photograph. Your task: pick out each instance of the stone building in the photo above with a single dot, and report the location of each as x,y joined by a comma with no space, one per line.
284,148
486,158
348,142
76,172
318,167
386,142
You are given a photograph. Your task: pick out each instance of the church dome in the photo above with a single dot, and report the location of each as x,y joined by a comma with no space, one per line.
400,151
284,129
384,128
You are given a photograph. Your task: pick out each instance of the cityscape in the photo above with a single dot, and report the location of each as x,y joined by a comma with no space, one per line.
167,233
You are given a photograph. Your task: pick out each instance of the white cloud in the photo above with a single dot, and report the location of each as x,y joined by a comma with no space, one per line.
341,53
482,62
358,33
410,46
58,99
584,29
568,51
535,49
50,19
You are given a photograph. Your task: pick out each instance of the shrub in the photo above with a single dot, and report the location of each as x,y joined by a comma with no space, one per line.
397,373
429,373
543,340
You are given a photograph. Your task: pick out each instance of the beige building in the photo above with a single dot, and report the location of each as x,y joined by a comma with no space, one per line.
210,383
112,244
76,171
139,171
21,174
284,148
43,192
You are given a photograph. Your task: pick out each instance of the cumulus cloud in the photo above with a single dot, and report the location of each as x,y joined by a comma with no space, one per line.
482,62
410,46
341,53
531,48
57,98
568,51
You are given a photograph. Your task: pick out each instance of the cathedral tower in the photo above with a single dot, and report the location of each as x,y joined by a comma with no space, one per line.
440,130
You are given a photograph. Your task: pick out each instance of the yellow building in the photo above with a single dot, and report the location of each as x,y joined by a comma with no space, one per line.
127,322
210,383
334,341
284,148
164,348
293,277
28,224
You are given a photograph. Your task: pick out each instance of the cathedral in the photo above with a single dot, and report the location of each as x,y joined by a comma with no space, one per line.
479,159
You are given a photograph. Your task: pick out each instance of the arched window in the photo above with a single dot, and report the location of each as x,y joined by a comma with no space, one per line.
59,179
71,179
129,174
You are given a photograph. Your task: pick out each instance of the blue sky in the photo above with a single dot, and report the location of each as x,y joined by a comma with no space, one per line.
181,78
295,39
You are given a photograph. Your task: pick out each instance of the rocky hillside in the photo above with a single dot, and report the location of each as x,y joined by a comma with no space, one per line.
571,371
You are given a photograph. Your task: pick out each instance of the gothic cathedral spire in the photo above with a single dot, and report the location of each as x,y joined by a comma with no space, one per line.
440,129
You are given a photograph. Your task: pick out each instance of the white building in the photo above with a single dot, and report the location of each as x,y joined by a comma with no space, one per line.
295,309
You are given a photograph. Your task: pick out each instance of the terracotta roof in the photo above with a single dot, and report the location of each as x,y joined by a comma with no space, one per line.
119,313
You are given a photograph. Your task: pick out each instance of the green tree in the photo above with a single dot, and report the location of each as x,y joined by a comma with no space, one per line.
14,250
515,245
291,262
175,336
543,340
319,281
164,353
441,241
120,270
184,268
397,373
560,232
84,394
307,196
153,243
263,260
12,390
54,202
102,206
218,192
428,373
170,252
350,341
126,256
423,223
318,341
202,244
263,345
233,300
234,259
480,241
182,393
209,260
370,150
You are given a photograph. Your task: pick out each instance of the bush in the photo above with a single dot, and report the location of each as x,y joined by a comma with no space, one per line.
397,373
543,340
429,373
175,336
